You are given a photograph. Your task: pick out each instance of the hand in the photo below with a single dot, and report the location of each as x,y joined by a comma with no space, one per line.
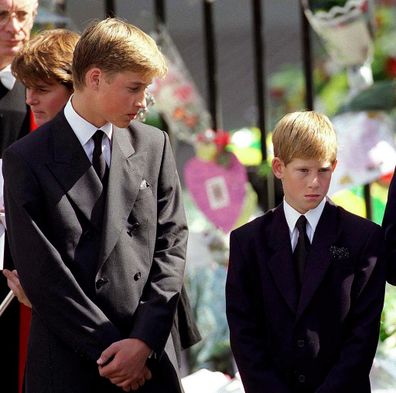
124,363
15,286
145,376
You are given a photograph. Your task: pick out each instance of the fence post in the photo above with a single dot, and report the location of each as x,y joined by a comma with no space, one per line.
211,64
261,89
110,9
160,16
307,60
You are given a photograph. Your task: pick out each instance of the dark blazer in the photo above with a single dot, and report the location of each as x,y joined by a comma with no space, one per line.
94,278
14,123
14,116
324,339
389,225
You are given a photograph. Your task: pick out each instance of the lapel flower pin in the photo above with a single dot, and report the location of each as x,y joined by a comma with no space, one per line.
339,253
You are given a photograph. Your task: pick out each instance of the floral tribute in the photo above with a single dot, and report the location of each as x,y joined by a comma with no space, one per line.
216,180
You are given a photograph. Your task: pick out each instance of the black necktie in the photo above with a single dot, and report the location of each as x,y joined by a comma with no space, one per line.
3,89
98,160
302,247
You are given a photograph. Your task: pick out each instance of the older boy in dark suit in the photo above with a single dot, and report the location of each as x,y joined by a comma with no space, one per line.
16,21
305,285
96,198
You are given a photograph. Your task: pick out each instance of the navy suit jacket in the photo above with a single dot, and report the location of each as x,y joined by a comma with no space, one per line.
14,124
92,277
14,116
320,339
389,225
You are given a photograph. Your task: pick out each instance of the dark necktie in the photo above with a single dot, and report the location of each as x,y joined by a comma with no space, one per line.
3,89
98,160
302,247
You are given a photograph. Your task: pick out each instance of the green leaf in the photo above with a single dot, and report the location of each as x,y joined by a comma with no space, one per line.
381,96
325,5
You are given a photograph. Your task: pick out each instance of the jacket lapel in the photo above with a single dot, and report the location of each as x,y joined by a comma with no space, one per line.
280,261
73,170
126,173
319,257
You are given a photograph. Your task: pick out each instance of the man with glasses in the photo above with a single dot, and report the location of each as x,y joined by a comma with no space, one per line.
16,21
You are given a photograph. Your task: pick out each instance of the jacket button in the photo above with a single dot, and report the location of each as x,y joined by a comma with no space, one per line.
301,378
137,276
100,282
133,227
300,343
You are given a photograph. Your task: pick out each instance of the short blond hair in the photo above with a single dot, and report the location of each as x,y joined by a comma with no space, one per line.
305,135
46,58
114,45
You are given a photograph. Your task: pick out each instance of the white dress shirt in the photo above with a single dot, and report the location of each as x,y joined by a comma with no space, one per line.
85,130
6,77
312,217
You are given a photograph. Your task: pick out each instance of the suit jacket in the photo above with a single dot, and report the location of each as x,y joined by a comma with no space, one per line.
389,225
185,331
95,277
14,117
14,123
319,339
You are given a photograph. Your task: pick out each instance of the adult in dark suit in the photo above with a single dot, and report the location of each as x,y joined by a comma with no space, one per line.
312,327
16,21
389,225
105,230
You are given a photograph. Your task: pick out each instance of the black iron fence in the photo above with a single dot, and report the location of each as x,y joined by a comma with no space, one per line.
213,91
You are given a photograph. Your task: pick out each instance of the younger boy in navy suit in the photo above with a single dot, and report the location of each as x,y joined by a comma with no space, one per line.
305,285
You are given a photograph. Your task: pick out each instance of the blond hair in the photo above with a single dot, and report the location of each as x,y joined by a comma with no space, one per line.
305,135
115,46
46,58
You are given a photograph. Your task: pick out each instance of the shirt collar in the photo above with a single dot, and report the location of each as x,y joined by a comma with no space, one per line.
81,127
312,216
6,77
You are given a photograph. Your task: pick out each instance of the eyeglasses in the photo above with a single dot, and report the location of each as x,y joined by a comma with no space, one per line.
21,16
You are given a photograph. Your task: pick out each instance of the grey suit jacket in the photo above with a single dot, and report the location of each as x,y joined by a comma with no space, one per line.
95,271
